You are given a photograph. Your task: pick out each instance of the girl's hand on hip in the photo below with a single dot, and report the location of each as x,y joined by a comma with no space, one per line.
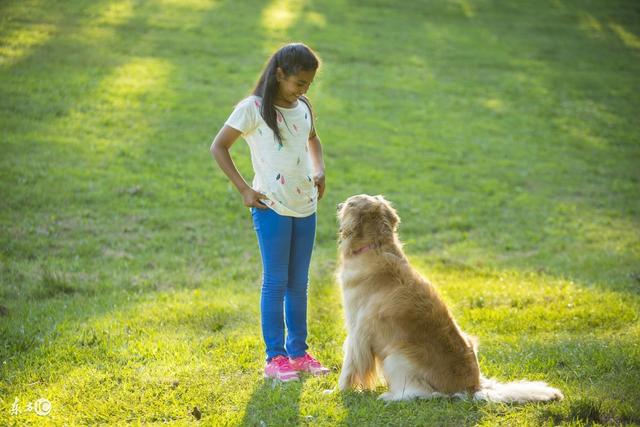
318,180
251,199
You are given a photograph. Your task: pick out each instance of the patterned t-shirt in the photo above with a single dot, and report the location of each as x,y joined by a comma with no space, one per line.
283,171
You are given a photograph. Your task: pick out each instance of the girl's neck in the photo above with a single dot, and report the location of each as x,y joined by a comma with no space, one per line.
283,103
279,104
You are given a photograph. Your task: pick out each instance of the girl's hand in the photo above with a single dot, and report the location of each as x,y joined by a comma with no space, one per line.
318,180
251,198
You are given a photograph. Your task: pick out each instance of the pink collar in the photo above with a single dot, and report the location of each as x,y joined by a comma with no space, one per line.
365,248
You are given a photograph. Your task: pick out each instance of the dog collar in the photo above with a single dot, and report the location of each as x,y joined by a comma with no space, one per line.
365,249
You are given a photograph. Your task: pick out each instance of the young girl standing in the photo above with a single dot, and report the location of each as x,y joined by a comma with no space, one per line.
277,123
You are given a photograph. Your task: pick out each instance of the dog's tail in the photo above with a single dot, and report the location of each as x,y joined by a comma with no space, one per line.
518,391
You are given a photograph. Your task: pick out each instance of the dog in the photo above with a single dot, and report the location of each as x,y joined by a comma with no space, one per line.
397,323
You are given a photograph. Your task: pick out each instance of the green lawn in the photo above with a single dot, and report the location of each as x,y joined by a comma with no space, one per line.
506,134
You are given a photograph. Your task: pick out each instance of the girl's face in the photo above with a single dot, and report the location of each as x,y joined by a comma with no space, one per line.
290,88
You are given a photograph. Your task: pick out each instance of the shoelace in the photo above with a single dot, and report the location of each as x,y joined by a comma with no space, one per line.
313,362
282,362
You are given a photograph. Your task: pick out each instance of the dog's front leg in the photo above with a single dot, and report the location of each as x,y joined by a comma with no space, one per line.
346,374
358,366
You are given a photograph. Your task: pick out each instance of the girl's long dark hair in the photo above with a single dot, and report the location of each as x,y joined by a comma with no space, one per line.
291,58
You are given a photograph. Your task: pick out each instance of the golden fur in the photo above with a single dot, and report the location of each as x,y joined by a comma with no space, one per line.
397,322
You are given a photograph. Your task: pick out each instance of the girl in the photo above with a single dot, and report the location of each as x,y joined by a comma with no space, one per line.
277,123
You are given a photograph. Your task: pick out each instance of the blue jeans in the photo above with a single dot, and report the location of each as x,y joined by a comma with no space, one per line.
285,244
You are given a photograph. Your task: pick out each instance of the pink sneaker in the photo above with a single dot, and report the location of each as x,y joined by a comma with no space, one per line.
307,363
280,369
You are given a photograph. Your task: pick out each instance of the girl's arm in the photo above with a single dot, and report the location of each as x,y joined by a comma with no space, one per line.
220,151
315,150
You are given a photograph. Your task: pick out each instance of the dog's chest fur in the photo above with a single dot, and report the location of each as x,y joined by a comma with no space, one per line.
358,299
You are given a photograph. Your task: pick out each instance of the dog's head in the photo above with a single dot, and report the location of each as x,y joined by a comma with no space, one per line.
367,219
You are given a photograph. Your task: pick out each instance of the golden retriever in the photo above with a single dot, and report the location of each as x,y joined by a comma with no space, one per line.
397,322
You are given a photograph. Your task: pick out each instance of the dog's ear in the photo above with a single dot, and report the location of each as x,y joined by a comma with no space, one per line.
390,218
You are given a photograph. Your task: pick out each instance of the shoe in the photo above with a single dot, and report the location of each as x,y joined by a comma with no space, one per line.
307,363
280,369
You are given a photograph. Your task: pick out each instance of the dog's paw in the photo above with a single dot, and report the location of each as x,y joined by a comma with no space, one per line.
344,382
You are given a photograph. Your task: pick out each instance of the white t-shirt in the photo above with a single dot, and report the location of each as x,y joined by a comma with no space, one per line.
283,171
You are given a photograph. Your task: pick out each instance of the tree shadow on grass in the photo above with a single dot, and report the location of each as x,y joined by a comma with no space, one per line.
526,159
121,197
222,325
177,342
90,250
274,403
364,408
597,375
598,378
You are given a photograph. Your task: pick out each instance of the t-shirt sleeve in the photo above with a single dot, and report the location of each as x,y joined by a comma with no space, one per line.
244,116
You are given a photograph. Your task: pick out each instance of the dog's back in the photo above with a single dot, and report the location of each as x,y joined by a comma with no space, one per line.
424,332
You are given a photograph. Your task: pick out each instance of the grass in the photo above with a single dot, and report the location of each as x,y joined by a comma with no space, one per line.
506,135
